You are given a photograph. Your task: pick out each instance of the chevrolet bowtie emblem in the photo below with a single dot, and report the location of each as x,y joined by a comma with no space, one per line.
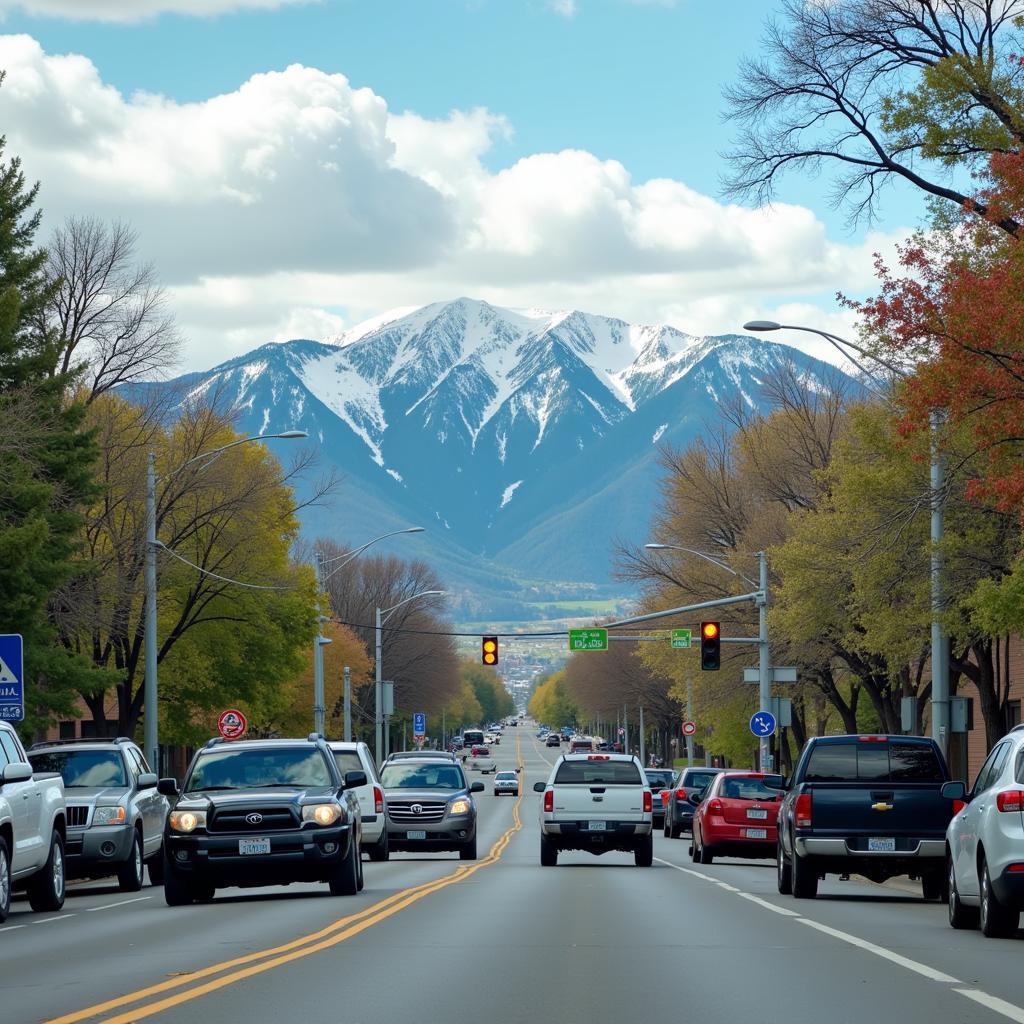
881,807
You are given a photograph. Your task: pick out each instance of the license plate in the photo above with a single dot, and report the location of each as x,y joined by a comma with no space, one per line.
884,845
250,846
757,815
597,826
757,833
416,835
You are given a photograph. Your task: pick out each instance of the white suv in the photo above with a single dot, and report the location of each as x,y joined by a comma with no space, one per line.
985,842
356,757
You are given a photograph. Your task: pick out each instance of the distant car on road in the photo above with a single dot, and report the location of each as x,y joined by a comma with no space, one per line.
737,817
553,740
985,843
683,797
506,782
483,763
581,745
354,757
659,779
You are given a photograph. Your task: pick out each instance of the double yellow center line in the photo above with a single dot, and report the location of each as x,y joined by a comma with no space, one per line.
229,972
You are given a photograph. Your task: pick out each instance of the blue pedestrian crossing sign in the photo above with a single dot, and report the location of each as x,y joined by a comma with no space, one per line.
762,723
419,724
12,678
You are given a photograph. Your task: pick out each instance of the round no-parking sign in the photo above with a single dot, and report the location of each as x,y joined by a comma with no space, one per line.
689,728
232,724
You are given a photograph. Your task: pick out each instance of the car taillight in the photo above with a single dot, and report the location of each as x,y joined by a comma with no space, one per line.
680,794
1016,868
958,806
1012,800
549,800
873,739
715,807
378,800
664,797
803,810
648,801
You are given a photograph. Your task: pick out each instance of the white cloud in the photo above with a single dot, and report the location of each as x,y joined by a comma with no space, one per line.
271,209
135,10
566,8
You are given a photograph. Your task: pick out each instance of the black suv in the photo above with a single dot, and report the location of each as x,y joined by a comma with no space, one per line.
262,812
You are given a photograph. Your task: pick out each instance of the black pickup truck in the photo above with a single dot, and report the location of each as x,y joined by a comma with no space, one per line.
868,805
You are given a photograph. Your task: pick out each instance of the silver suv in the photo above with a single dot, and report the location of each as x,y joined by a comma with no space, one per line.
115,816
430,806
985,842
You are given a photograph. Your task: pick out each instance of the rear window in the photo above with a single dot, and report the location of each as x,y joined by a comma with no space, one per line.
873,762
607,773
748,789
659,780
699,780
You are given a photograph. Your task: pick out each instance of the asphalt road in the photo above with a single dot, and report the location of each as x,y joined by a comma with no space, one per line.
504,940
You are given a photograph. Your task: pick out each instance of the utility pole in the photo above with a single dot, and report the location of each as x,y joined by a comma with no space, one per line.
643,745
940,645
318,655
347,675
689,715
764,660
152,742
378,718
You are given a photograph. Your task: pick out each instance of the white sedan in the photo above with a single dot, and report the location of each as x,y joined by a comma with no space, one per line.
506,782
483,763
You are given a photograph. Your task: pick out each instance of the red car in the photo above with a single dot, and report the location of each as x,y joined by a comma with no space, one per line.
479,751
737,818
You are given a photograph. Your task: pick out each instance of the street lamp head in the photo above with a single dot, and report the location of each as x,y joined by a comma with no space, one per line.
291,433
657,547
415,529
762,325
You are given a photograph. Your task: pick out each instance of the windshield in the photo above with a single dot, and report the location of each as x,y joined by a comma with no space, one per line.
422,776
82,769
257,767
609,773
748,789
506,775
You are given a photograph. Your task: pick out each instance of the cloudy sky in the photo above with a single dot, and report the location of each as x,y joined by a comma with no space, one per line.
295,166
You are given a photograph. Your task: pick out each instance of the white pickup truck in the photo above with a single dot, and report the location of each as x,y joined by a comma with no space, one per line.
32,829
596,802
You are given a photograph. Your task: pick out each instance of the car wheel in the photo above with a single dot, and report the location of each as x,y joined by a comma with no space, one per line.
805,878
178,891
707,854
46,889
5,881
155,867
359,865
696,853
130,874
667,830
346,880
548,852
933,887
468,850
960,916
380,851
998,921
784,873
643,855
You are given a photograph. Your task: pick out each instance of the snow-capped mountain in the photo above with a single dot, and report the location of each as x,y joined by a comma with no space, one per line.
525,437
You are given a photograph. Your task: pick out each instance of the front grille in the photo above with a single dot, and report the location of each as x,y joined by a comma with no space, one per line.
78,815
401,811
275,819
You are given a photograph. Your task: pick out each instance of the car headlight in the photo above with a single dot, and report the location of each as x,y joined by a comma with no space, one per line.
109,816
460,806
187,821
323,814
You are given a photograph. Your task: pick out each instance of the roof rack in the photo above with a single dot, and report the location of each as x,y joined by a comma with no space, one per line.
81,739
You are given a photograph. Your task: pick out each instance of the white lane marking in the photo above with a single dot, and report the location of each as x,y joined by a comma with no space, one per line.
12,927
993,1003
686,871
769,906
887,954
48,920
727,886
123,903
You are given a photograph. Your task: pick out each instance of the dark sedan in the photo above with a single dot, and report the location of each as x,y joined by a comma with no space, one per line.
684,796
659,779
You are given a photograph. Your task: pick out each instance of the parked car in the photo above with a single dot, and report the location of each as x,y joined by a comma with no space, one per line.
430,806
683,798
737,817
115,816
572,819
262,812
356,757
985,843
871,805
32,827
506,782
659,779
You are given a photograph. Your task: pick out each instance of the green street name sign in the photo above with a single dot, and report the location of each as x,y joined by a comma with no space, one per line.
588,639
681,638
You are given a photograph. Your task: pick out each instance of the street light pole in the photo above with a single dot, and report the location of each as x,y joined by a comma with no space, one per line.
151,730
764,657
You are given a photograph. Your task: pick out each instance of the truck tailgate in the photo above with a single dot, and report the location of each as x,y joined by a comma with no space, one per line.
885,809
584,802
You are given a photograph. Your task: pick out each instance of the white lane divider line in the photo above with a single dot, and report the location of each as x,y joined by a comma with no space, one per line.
993,1003
886,954
727,887
12,927
686,871
49,920
123,903
769,906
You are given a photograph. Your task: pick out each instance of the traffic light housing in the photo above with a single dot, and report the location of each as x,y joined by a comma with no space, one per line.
489,650
710,646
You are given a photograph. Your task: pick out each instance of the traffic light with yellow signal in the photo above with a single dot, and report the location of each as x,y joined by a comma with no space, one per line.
489,650
710,646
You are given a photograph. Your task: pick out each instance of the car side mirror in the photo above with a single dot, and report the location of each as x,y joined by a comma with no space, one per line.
17,772
477,787
168,787
148,780
539,787
355,779
954,791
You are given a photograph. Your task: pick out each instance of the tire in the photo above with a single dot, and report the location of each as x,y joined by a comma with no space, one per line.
696,853
359,865
707,854
960,916
805,879
667,830
178,891
46,887
5,880
643,855
468,850
346,881
155,867
998,921
548,852
783,873
933,887
380,851
132,873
